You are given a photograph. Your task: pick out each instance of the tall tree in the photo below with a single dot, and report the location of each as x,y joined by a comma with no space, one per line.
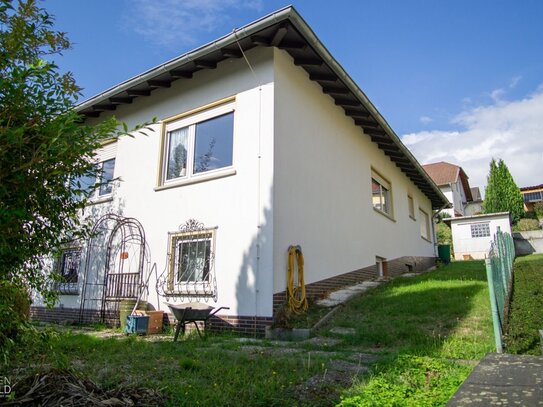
502,193
44,145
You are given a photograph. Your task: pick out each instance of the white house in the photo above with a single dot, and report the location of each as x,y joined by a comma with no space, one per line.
472,235
453,182
263,141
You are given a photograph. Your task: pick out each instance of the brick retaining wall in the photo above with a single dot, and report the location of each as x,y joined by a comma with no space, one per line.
392,268
252,325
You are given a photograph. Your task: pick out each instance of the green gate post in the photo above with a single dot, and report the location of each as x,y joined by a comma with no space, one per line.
495,317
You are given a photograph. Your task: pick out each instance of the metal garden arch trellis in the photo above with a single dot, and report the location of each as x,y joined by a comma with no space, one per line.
114,266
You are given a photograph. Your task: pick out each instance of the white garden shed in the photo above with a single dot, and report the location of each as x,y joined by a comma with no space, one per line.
472,234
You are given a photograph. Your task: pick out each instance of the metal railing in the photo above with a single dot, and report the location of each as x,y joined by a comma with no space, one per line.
499,273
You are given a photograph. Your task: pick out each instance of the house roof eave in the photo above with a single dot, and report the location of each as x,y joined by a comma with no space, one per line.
285,29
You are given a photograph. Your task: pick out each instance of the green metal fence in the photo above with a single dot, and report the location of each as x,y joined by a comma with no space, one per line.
499,272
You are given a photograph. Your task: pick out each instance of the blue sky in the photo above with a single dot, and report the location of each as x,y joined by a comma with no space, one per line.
459,81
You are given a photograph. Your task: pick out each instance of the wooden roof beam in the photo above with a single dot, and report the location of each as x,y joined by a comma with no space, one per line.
155,83
138,92
357,113
347,102
91,114
374,132
118,100
323,77
205,64
177,73
231,53
279,35
260,40
103,107
366,123
336,91
308,61
381,139
285,44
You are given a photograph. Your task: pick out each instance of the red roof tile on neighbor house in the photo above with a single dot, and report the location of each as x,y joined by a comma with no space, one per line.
443,174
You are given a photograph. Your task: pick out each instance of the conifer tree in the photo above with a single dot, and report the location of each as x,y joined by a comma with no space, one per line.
502,193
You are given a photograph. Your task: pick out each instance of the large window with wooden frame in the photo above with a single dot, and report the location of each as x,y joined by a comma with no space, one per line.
381,194
198,144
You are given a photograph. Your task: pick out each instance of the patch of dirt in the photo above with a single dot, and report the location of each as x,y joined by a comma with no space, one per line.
64,388
325,387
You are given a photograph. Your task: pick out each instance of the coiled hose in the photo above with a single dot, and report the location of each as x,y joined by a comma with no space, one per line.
297,301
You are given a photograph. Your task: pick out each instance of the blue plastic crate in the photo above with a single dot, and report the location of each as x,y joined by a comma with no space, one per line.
137,324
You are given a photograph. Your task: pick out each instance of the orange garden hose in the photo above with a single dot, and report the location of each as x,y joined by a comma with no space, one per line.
297,300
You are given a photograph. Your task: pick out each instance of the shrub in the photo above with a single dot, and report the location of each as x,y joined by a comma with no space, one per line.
530,215
443,233
527,224
538,209
525,317
14,311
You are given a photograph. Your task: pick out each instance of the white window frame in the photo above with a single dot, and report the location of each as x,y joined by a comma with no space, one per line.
198,287
384,184
411,206
106,153
424,224
190,121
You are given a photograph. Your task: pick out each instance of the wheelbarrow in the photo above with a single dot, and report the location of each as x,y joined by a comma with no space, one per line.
192,312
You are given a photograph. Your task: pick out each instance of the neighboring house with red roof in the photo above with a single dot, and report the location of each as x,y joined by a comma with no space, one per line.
453,182
531,196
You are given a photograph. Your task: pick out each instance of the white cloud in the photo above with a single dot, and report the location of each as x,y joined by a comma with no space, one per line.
425,119
511,130
514,81
180,22
496,95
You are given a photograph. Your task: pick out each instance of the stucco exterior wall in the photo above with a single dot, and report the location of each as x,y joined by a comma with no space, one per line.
238,205
447,191
467,247
322,194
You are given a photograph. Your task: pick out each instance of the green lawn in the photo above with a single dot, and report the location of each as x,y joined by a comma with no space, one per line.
434,329
426,331
526,309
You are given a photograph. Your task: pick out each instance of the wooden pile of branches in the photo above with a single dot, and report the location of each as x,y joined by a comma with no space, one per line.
64,388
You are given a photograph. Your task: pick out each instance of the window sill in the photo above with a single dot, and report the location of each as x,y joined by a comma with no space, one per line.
195,179
102,199
66,288
425,238
386,215
192,294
